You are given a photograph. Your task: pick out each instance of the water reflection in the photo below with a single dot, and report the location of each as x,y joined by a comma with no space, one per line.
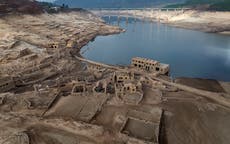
189,53
220,53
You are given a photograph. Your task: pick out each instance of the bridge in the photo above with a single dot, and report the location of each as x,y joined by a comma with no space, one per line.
142,9
134,12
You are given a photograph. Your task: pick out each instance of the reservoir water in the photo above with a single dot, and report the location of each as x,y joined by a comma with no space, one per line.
189,53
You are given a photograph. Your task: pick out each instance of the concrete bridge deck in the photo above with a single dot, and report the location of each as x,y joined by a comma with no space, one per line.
142,9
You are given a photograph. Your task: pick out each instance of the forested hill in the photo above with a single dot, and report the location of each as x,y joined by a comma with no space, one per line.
219,5
20,6
116,3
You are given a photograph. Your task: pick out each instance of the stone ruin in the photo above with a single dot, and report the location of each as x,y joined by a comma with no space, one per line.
54,45
143,125
150,65
129,92
26,77
71,44
24,52
82,87
139,124
17,138
122,76
95,68
6,84
85,99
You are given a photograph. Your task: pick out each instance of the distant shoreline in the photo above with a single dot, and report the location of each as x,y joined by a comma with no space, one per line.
206,21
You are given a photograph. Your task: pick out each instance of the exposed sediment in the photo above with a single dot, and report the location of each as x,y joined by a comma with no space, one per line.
48,96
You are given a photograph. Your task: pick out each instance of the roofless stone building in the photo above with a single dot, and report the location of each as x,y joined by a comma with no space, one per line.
150,65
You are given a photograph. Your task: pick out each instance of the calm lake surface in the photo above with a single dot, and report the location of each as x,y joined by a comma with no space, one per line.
189,53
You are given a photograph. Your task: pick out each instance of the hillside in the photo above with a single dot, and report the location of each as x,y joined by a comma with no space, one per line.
20,6
225,6
31,7
116,3
219,5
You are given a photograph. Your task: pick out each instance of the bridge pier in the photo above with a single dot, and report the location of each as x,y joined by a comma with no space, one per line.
182,10
127,19
118,17
153,11
118,20
135,16
109,18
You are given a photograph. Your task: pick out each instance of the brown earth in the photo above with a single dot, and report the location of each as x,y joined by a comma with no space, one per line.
199,122
188,118
203,84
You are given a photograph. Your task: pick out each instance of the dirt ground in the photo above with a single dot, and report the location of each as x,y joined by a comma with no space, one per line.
40,134
204,84
38,104
185,122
